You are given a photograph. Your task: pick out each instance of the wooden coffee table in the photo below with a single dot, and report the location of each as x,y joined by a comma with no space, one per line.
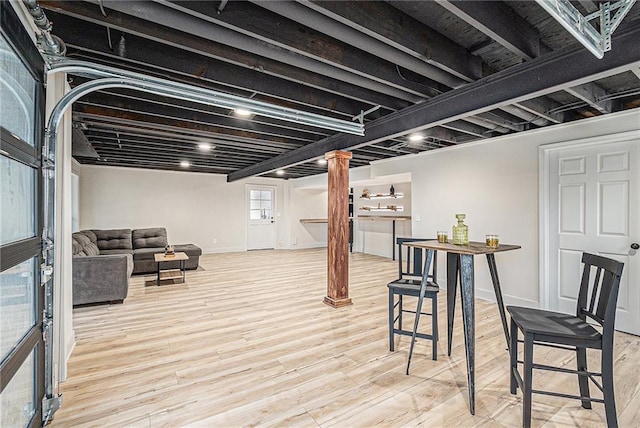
170,273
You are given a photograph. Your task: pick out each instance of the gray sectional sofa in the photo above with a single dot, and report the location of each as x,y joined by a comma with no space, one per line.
104,260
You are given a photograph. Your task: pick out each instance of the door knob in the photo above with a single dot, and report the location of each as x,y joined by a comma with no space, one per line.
635,246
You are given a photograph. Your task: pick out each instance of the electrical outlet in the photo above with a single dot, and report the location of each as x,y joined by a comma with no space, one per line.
417,217
215,240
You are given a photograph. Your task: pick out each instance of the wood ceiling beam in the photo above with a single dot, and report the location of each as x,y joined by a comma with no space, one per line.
148,147
268,27
400,33
191,112
142,163
153,120
386,24
594,95
111,152
468,128
81,24
542,107
500,23
498,118
110,123
230,147
561,69
173,16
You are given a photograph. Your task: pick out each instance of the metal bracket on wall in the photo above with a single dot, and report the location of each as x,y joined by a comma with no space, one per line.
597,42
49,407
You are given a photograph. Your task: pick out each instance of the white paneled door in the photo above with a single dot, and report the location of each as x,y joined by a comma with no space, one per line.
594,201
261,227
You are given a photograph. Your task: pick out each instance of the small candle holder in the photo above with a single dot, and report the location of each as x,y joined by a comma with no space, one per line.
492,241
443,236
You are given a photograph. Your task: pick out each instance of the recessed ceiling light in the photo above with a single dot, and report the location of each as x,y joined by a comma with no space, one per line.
322,161
185,164
280,172
242,112
416,137
205,146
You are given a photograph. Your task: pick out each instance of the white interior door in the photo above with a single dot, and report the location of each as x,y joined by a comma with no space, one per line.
261,228
594,200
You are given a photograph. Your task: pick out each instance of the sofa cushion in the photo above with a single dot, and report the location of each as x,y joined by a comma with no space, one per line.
113,239
83,246
103,252
146,253
152,237
92,236
190,249
76,248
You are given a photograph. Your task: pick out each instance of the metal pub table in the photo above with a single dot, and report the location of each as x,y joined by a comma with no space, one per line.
460,265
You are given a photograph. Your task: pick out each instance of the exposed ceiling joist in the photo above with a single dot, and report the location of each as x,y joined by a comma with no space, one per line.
384,23
276,30
192,112
593,95
193,55
153,125
172,15
568,67
468,128
496,20
543,107
516,34
382,46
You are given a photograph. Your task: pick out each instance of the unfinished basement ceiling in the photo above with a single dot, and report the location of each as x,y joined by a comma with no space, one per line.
451,71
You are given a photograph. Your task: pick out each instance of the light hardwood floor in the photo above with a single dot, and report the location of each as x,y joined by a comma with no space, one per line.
247,341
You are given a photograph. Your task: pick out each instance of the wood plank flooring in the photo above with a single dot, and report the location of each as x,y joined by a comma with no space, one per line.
247,341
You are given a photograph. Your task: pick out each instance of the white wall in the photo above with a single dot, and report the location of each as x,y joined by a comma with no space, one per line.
306,203
496,184
201,209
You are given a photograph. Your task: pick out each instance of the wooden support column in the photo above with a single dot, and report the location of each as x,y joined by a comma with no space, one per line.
338,230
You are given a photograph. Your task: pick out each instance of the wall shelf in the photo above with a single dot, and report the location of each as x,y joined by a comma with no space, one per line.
384,218
394,208
383,196
314,220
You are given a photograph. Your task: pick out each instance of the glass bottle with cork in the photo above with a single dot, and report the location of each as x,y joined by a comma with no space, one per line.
461,231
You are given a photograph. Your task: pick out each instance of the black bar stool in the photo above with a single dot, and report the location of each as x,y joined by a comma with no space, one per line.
572,332
413,282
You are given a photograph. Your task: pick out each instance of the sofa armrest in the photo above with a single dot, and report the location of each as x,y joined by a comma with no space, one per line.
103,278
